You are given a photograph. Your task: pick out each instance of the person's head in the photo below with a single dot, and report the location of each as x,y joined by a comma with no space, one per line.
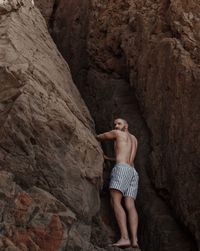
121,124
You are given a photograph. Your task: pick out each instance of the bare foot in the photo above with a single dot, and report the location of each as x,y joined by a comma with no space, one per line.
122,243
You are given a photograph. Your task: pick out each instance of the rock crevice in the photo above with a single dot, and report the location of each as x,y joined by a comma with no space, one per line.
154,47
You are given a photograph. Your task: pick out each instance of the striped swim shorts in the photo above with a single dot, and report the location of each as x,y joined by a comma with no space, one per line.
125,179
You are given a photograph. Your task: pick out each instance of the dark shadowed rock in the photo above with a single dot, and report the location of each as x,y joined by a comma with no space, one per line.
69,32
46,7
160,45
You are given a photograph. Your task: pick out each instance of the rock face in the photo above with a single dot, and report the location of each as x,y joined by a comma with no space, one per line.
159,42
145,55
46,141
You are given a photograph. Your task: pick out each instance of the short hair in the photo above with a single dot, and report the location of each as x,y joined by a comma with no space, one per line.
125,122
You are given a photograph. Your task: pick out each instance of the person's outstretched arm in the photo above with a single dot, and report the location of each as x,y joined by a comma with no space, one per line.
112,135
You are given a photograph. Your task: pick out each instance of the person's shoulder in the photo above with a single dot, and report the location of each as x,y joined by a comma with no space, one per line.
134,138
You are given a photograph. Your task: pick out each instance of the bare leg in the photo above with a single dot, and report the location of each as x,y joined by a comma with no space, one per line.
132,219
120,215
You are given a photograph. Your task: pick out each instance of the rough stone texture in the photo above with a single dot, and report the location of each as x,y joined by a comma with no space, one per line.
153,46
46,139
159,41
33,220
69,31
156,219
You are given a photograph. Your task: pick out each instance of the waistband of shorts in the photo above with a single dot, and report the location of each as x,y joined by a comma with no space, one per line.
124,164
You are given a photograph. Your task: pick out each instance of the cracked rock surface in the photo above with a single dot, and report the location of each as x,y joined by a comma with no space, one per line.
47,140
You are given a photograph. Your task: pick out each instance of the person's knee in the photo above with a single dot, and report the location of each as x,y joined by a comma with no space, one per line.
129,205
116,203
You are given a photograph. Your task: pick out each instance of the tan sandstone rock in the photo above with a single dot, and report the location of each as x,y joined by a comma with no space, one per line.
46,134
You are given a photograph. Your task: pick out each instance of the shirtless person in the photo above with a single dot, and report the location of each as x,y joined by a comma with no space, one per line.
124,181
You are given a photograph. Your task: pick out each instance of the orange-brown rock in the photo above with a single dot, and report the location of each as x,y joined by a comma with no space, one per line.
31,220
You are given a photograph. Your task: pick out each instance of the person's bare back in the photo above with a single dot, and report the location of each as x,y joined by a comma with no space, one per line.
124,142
125,148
